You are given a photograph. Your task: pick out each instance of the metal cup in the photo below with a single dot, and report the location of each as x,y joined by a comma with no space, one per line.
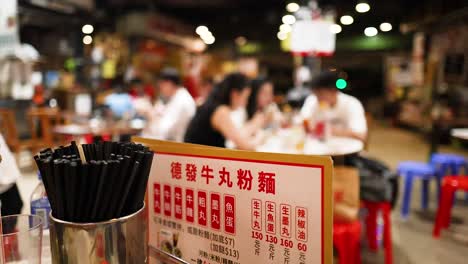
117,241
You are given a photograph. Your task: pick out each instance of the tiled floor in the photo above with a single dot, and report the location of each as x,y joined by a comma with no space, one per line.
412,239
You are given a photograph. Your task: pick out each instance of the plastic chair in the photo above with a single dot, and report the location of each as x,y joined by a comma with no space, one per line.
448,164
346,239
450,184
410,170
373,209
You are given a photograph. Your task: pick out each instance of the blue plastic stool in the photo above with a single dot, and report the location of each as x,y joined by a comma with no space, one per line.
448,164
410,170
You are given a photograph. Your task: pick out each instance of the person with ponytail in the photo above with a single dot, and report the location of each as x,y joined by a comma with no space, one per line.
212,124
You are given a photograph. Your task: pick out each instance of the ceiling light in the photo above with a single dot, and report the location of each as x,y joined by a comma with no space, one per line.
209,40
362,7
87,40
241,41
87,29
335,28
285,28
370,31
288,19
207,35
346,20
201,30
292,7
282,35
385,26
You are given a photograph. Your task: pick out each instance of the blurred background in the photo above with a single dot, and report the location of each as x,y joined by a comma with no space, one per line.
94,70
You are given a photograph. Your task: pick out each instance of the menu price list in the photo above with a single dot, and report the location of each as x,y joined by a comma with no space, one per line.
274,226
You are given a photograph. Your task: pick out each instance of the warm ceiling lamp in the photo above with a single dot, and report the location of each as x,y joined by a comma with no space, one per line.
282,35
292,7
201,30
288,19
335,28
87,29
346,20
285,28
209,40
87,40
362,7
385,26
370,31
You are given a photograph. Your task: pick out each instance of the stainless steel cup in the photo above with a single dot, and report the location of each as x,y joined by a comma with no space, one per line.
117,241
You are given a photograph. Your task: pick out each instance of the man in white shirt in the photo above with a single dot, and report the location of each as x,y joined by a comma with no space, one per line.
9,173
345,112
171,115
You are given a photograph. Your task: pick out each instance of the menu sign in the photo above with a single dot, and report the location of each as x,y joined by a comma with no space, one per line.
209,205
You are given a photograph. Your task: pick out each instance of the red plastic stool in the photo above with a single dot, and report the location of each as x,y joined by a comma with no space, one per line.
450,184
371,227
346,239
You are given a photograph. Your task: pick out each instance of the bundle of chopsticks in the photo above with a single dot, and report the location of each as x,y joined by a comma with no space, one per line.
95,182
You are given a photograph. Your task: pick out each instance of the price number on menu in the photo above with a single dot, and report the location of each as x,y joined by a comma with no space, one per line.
257,235
271,239
287,243
302,247
231,252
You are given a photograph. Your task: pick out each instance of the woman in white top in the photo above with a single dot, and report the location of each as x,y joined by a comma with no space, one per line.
346,113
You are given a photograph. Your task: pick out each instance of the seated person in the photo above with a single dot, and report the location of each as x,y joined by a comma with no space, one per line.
212,124
9,193
261,111
119,102
204,90
346,113
169,118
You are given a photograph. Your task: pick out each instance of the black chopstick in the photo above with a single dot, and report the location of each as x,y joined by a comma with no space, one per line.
108,183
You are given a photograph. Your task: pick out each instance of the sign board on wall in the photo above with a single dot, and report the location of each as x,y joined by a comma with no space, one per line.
313,37
210,205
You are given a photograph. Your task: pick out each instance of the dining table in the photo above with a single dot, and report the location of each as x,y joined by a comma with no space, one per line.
294,140
95,128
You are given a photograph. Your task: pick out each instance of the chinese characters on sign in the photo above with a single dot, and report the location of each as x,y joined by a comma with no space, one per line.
237,207
265,180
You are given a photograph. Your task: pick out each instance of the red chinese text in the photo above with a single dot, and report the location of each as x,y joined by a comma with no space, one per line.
266,182
244,179
191,172
207,173
176,170
270,217
285,220
256,214
225,177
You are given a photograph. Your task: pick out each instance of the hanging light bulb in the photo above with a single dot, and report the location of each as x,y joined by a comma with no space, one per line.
385,26
335,28
292,7
370,31
346,20
362,7
288,19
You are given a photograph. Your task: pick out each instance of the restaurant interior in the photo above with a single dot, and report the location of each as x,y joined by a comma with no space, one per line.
381,87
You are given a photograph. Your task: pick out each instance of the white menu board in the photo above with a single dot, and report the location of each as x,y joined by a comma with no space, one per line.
208,205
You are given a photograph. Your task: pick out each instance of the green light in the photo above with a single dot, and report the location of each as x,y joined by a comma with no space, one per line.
341,84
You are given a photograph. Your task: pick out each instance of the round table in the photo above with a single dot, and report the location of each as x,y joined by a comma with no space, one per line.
81,130
334,146
461,133
294,141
